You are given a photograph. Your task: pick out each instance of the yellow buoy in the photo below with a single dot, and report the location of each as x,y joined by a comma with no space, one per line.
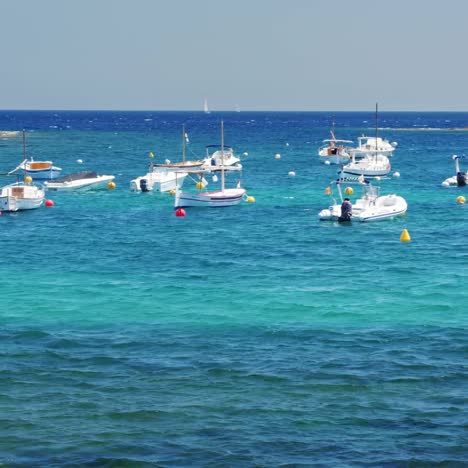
250,199
27,179
348,190
111,185
328,190
199,185
461,199
151,155
405,237
172,192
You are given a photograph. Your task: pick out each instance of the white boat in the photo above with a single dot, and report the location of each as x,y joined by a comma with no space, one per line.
166,176
217,156
335,151
371,145
218,198
368,145
158,180
460,179
371,206
371,165
80,181
21,196
38,170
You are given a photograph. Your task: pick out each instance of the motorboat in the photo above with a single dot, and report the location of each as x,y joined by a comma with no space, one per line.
159,180
80,181
334,151
167,176
460,179
212,199
371,165
217,156
370,145
21,196
38,170
374,144
371,206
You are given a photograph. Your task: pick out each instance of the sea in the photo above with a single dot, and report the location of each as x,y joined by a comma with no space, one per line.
246,336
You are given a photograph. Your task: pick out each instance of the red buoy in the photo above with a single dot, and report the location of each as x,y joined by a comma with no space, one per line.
180,212
49,203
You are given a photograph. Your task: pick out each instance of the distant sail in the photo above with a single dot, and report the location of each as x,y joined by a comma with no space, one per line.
205,107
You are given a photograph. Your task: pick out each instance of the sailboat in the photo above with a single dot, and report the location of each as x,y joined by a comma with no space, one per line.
205,106
219,198
38,170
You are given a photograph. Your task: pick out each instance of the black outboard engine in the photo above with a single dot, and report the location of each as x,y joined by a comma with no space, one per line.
461,179
144,185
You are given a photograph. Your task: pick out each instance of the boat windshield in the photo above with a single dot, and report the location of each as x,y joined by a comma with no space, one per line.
371,192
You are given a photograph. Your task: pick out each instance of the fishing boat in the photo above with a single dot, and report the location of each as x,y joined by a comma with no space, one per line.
460,179
38,170
371,206
21,196
79,181
333,150
371,165
218,198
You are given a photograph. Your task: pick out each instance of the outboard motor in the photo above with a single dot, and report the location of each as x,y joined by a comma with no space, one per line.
461,179
144,185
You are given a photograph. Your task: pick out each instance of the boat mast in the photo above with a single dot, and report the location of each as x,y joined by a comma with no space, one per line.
24,144
376,125
183,143
222,156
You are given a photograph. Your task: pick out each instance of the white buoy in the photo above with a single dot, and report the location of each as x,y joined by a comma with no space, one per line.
79,161
245,153
291,173
396,174
287,144
277,156
327,163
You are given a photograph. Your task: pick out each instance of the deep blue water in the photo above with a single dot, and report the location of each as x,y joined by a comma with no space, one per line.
252,335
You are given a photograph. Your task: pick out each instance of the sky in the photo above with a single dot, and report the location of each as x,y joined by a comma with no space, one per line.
297,55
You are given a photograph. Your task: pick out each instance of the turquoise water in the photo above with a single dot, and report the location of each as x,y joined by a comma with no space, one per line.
248,336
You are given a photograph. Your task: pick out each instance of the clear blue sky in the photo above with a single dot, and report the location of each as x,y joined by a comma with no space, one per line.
258,54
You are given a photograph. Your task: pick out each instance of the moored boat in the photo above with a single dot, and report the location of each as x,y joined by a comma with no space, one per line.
21,196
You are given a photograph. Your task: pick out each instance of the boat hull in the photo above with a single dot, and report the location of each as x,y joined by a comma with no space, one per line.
163,181
81,185
221,198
